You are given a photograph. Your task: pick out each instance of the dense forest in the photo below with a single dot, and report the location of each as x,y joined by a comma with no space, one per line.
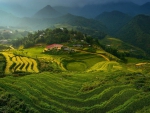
49,36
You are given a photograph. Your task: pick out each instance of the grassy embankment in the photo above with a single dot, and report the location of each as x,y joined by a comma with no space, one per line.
91,84
77,92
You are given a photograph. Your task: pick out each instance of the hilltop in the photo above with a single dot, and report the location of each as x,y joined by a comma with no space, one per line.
47,12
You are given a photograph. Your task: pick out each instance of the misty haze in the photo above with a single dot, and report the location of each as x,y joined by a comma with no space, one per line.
73,56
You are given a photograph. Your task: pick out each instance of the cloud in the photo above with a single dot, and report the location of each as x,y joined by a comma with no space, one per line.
71,2
42,3
11,1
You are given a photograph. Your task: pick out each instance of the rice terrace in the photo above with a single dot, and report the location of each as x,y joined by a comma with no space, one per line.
81,79
75,56
16,63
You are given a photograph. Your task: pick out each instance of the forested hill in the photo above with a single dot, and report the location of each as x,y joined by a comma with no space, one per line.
137,32
71,37
47,12
113,20
49,36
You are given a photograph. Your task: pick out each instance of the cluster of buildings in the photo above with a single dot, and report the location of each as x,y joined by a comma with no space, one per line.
57,47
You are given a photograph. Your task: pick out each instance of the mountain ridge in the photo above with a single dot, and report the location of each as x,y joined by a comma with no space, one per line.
8,19
47,12
88,11
113,20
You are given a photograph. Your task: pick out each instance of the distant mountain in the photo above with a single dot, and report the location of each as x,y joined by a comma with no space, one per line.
93,10
16,9
47,12
87,26
7,19
137,32
145,8
81,21
88,11
113,20
31,23
21,11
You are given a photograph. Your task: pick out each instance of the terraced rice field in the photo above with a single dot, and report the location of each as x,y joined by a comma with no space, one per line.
76,66
61,93
105,66
81,61
18,63
2,65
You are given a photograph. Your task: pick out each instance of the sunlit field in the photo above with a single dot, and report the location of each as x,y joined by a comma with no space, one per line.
74,56
82,83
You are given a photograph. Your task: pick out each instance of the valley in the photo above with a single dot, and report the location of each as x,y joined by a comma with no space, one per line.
93,57
88,79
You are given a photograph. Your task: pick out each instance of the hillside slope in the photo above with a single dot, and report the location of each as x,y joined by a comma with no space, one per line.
137,32
74,92
113,20
47,12
123,47
92,10
145,8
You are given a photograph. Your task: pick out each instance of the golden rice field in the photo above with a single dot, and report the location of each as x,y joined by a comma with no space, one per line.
19,63
105,66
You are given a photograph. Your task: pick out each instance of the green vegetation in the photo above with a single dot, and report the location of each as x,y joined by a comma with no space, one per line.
12,33
106,66
79,82
18,64
15,104
48,36
4,47
2,65
90,27
113,20
81,61
87,77
122,47
71,38
136,32
77,92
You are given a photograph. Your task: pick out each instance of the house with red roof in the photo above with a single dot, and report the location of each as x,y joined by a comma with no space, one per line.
54,46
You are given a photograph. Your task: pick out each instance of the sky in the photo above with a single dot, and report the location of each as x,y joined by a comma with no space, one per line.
38,3
29,7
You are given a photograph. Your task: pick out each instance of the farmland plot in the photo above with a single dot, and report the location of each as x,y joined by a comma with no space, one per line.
18,63
105,66
57,93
